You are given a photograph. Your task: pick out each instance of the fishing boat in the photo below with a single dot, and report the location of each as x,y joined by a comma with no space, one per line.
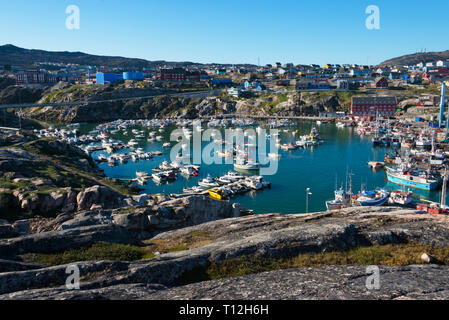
395,142
216,194
342,200
401,197
409,178
371,198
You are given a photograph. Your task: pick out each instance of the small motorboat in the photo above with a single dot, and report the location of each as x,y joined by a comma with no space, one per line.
208,182
217,194
141,174
375,165
246,165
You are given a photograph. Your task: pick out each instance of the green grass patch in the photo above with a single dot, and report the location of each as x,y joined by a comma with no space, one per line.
388,255
179,248
97,252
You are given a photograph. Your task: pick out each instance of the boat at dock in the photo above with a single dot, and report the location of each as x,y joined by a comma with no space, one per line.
418,179
216,194
208,182
403,198
371,198
342,200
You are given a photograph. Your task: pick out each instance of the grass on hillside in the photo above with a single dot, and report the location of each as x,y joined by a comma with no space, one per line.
97,252
389,255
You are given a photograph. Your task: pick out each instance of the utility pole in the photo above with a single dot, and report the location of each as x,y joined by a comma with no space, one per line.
443,191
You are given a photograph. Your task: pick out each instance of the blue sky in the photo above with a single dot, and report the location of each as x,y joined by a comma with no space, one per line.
230,31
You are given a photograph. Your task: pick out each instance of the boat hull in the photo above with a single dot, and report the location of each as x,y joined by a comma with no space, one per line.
372,203
410,183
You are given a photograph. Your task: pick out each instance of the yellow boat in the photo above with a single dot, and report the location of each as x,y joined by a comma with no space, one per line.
216,194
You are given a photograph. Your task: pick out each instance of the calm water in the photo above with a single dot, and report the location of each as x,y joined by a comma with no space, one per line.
318,169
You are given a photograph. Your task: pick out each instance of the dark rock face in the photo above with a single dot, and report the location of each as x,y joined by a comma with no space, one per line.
18,94
10,266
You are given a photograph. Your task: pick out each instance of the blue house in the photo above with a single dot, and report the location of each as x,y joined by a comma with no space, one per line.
103,78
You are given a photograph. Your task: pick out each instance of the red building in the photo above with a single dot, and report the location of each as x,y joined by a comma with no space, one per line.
372,106
32,76
178,74
175,74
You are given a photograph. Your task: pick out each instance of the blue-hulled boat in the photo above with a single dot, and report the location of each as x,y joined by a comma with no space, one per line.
415,179
371,198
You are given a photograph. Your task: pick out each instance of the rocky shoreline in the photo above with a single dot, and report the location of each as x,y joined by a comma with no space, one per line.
218,240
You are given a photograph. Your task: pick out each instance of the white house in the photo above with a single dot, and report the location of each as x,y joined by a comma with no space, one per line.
441,63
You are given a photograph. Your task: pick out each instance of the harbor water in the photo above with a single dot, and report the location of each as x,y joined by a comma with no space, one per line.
321,168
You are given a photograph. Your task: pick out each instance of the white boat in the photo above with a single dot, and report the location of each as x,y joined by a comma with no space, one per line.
141,174
246,165
192,190
142,181
401,197
208,182
165,165
159,177
189,171
132,143
166,145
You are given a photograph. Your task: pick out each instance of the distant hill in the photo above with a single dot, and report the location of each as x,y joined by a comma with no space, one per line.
12,55
416,58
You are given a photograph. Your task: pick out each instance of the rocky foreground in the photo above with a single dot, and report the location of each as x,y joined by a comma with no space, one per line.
200,268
